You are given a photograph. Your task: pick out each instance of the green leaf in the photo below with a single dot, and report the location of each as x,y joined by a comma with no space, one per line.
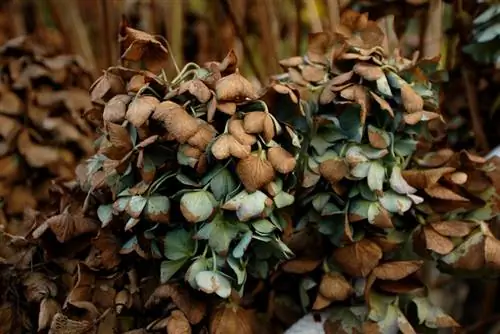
121,203
359,208
247,205
219,233
350,120
395,203
405,147
199,265
129,246
320,201
376,176
361,170
184,179
345,321
105,214
136,205
238,268
197,206
283,199
330,209
242,246
222,184
169,268
179,244
263,226
157,208
213,282
131,223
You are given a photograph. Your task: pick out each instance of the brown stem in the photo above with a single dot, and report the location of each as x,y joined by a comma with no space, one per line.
106,40
333,13
433,32
244,41
475,115
298,37
314,18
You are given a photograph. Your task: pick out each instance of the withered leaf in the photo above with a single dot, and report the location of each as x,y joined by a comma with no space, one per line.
235,127
411,100
141,46
254,172
61,324
334,170
368,71
234,87
104,252
420,116
396,270
140,109
176,120
492,252
454,228
196,88
438,191
281,160
177,323
193,308
425,178
436,242
38,286
229,318
300,266
358,259
384,105
436,159
313,73
49,307
67,226
335,287
254,122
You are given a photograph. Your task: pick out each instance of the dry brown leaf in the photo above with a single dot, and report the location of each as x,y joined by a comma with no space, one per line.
230,318
436,159
104,252
234,87
335,287
177,323
9,127
235,127
440,192
61,324
10,103
48,309
141,46
203,136
300,266
67,226
376,139
396,270
454,228
106,86
425,178
226,145
492,252
291,62
358,259
368,71
459,178
254,122
313,73
333,170
176,120
196,88
193,308
269,129
320,302
281,160
384,105
436,242
38,286
37,155
418,116
7,317
140,109
254,172
411,100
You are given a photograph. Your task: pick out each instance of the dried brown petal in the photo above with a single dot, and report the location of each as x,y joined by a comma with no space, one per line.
234,87
177,323
48,308
411,100
202,137
396,270
254,172
230,318
440,192
454,228
235,128
333,170
358,259
436,242
140,109
368,71
335,287
281,159
196,88
254,122
313,73
176,120
292,61
300,266
61,324
425,178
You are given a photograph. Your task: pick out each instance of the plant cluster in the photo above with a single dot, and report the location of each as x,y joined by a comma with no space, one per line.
212,207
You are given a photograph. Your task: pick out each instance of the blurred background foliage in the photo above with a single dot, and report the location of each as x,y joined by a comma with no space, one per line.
464,33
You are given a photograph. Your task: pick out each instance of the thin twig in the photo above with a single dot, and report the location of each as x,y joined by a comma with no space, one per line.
477,121
106,42
264,8
433,32
298,37
246,48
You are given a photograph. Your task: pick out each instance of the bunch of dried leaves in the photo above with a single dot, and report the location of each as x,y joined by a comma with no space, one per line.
43,94
374,187
193,177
